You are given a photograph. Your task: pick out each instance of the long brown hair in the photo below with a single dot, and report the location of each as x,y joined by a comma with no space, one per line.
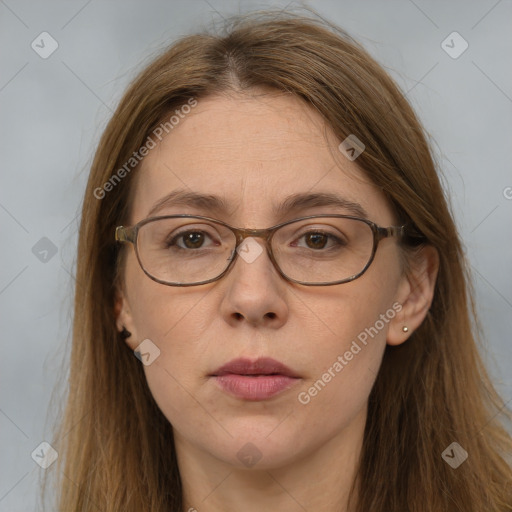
115,445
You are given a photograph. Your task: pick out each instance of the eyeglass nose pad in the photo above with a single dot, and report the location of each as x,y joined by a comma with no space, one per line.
248,247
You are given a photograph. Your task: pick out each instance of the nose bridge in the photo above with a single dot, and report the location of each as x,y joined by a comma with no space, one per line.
265,234
242,234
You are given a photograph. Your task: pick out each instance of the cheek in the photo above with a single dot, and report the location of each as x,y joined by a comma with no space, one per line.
172,320
157,313
345,361
159,310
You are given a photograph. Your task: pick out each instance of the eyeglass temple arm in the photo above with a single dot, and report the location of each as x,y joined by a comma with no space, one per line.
125,234
398,231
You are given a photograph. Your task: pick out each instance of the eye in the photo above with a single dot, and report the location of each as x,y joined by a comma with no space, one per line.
319,240
189,239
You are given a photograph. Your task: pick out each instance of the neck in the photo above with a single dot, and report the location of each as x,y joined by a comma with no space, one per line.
319,480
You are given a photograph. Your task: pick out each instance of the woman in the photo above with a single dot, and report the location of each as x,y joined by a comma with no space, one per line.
273,310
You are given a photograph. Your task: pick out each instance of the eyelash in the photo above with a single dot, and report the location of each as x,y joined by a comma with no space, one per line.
178,236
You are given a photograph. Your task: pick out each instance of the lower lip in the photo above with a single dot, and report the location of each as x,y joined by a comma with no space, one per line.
254,387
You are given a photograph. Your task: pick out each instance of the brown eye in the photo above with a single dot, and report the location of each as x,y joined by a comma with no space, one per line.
189,240
316,240
193,239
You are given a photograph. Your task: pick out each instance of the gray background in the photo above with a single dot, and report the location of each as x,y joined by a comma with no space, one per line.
53,111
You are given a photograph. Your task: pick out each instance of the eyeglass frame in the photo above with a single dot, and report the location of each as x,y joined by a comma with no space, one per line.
129,234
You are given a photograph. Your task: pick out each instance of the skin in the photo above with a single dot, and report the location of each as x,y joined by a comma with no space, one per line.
254,150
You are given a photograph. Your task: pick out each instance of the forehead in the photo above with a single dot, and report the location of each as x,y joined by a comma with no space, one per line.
252,152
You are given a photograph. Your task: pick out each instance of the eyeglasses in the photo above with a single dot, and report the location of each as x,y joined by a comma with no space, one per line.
318,250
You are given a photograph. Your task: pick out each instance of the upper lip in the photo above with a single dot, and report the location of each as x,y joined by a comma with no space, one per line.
261,366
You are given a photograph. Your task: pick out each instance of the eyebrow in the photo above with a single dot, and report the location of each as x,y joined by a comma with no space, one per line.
291,204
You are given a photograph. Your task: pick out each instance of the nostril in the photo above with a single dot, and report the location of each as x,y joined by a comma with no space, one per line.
271,315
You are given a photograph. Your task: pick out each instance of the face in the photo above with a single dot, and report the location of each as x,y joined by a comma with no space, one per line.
254,151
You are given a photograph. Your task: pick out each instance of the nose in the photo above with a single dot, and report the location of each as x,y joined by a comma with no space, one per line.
255,291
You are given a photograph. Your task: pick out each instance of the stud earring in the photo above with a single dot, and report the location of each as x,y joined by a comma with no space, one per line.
125,333
405,328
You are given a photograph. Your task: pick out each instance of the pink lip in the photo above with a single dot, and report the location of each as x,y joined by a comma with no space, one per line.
254,380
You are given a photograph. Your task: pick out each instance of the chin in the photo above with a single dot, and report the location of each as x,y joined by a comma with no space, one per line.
258,445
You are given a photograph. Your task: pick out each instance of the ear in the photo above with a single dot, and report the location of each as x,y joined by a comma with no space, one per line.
124,318
415,293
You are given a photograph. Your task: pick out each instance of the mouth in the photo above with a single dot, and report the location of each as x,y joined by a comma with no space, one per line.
254,380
